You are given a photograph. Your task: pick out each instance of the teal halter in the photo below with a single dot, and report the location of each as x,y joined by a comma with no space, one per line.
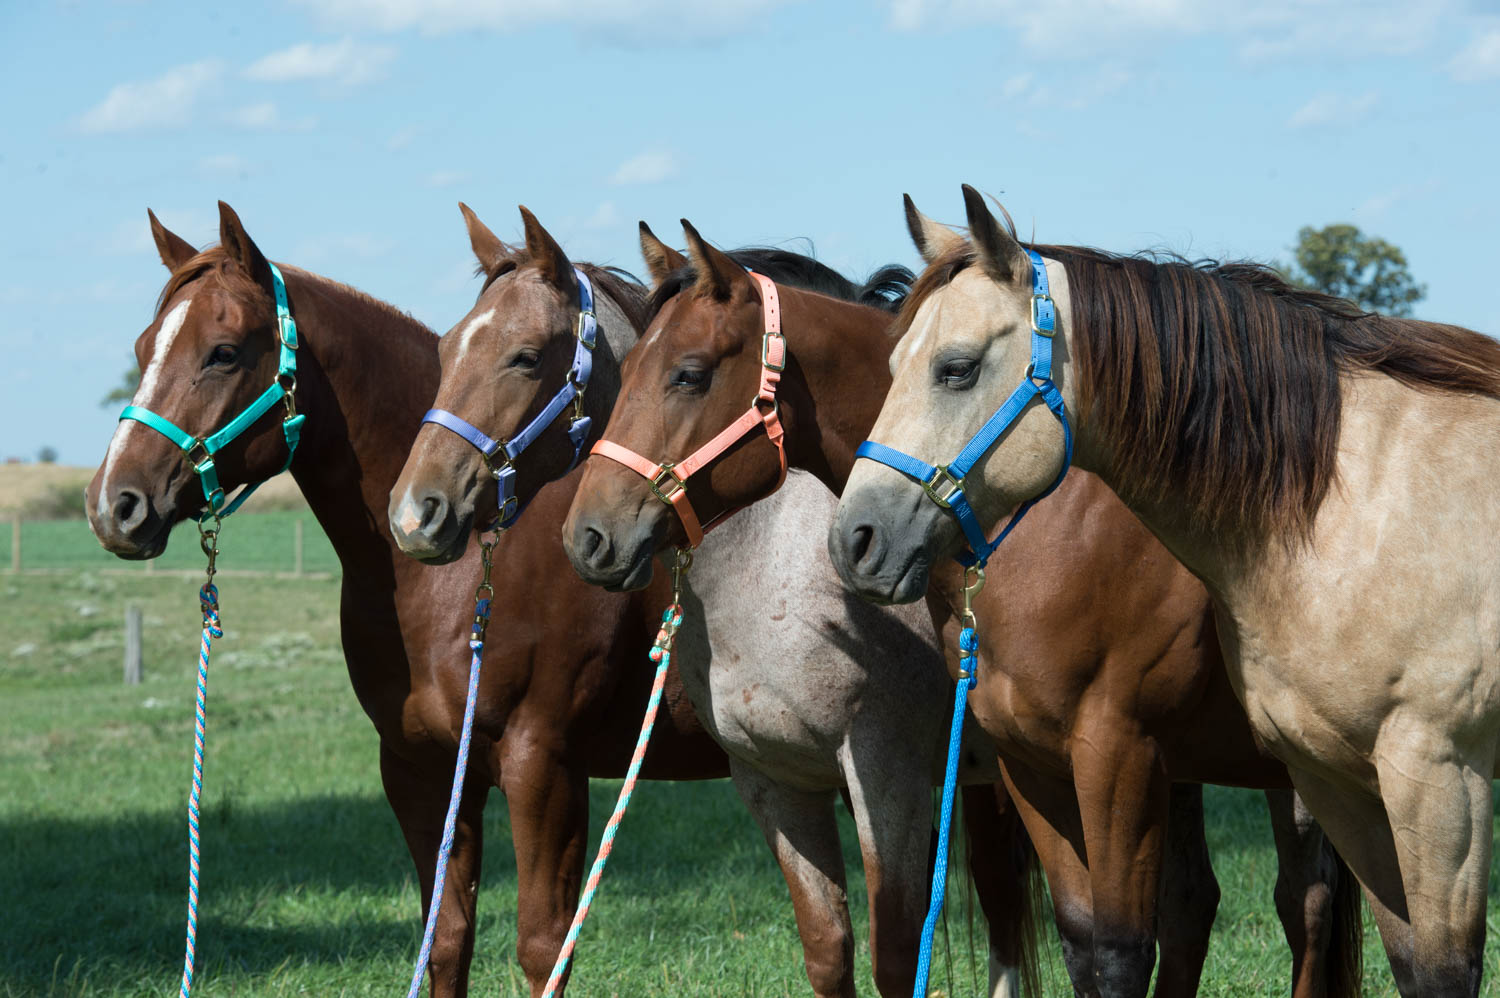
283,389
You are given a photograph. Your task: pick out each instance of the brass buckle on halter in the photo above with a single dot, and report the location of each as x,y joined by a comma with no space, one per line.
197,462
584,313
942,486
495,472
667,479
1036,301
765,349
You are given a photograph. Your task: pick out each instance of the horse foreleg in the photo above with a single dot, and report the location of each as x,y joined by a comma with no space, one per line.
549,812
1123,794
419,797
804,837
895,839
1309,883
1001,863
1189,897
1049,808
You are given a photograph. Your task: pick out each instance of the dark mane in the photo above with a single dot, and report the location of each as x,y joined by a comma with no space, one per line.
1220,382
885,289
233,280
619,284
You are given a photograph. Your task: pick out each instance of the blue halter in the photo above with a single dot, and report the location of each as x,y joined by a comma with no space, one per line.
944,484
571,391
200,451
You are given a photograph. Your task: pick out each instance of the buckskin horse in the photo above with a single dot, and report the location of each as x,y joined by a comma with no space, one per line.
1329,474
562,691
1100,681
809,690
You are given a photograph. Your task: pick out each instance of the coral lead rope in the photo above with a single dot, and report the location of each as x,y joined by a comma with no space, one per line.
944,485
572,391
661,654
669,480
200,451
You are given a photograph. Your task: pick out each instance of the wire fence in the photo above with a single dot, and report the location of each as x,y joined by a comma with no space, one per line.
273,543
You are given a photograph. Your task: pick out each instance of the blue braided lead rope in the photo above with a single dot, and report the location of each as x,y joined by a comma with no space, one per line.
968,662
208,599
476,645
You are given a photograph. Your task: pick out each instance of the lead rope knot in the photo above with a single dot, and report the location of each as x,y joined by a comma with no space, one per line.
661,654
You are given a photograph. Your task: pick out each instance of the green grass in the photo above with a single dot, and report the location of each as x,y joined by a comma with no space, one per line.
253,541
307,885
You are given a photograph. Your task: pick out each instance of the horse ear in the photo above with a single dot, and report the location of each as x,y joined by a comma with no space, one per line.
241,248
717,273
546,254
173,249
488,249
999,251
933,239
661,260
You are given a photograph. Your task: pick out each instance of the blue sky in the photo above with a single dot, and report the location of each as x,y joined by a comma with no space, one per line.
345,131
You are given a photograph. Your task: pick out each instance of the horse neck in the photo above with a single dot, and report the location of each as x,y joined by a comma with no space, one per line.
842,373
366,374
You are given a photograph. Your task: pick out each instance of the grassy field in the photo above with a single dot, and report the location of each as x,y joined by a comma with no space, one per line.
307,886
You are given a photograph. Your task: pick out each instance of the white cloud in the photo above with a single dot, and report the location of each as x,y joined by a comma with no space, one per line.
632,18
1017,86
345,62
1479,60
647,168
225,163
446,178
1331,109
165,102
604,216
332,250
1263,31
403,138
264,116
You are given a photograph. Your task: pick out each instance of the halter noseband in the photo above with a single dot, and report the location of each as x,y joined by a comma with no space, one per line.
572,391
282,389
668,480
944,484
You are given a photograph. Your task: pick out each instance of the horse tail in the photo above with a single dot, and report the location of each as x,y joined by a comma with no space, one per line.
1346,937
1008,879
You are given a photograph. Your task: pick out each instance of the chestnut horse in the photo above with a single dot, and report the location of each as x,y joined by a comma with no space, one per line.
1328,473
796,679
562,691
1101,681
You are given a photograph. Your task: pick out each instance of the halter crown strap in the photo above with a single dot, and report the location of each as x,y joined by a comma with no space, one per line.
572,390
283,389
944,484
668,480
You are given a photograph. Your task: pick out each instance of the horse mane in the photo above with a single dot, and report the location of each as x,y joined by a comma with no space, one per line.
885,289
619,284
1221,382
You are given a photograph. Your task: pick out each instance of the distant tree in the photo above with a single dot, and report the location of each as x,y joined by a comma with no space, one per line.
47,455
125,391
1340,260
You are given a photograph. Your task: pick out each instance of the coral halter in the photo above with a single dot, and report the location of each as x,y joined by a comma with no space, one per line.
669,479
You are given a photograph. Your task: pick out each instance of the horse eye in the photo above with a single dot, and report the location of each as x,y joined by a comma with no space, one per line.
958,373
224,354
691,378
526,360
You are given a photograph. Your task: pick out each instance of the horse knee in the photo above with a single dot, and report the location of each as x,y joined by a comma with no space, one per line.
894,969
828,956
1122,967
536,952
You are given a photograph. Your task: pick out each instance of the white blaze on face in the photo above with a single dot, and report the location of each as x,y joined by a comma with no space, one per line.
466,334
145,395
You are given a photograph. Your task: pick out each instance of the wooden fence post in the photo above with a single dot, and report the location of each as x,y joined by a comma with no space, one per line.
15,544
132,645
297,547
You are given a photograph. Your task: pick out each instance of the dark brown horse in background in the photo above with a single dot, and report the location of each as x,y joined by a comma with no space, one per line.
1101,680
562,691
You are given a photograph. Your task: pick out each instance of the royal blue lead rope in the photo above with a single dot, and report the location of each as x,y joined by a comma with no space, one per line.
944,485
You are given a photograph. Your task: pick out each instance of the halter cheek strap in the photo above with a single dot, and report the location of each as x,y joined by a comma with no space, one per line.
571,392
668,480
944,484
200,451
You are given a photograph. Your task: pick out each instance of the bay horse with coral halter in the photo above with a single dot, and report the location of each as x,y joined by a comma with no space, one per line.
561,693
1326,472
795,678
1101,683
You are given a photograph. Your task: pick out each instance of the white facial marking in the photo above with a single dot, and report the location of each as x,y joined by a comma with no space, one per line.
915,339
411,519
466,334
170,326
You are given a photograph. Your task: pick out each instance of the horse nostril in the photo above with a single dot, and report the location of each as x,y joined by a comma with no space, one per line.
593,546
130,509
434,514
862,543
